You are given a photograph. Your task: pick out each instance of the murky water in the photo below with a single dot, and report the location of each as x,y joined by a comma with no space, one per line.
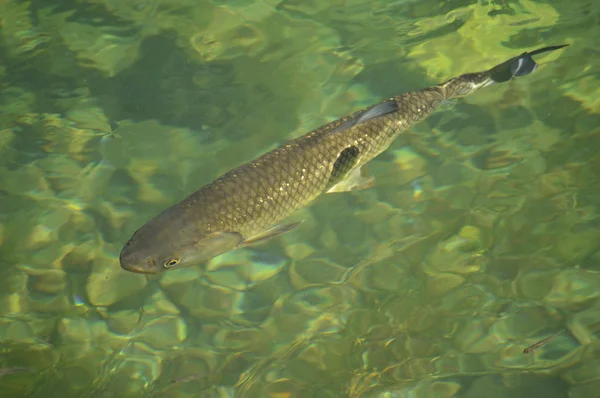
479,240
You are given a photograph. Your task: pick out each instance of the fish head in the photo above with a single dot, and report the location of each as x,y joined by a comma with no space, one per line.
173,240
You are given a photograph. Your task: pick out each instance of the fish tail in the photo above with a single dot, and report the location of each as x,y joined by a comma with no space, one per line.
521,65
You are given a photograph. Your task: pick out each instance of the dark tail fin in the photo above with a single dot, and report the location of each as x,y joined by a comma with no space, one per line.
518,66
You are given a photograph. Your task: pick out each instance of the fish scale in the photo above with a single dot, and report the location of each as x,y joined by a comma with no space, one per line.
247,204
270,188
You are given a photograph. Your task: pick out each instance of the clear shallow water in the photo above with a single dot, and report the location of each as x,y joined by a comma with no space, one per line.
480,238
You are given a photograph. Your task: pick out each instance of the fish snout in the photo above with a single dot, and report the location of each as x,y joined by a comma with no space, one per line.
134,262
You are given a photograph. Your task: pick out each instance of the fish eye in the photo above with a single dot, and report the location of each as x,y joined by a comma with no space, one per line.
171,263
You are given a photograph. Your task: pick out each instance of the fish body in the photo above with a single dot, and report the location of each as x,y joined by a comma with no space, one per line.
13,370
247,204
541,343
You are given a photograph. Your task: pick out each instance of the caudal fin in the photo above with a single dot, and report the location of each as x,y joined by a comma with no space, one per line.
518,66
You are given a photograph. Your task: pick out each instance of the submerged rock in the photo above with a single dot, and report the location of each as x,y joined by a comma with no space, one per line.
108,283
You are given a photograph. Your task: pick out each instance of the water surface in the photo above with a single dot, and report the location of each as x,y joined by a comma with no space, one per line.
480,238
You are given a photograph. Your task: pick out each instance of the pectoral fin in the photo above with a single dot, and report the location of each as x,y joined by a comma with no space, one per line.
269,233
355,181
345,176
216,244
345,162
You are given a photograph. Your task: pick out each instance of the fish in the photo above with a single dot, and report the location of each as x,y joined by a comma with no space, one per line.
13,370
541,343
188,378
249,204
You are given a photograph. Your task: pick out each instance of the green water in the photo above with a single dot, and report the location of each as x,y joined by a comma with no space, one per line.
480,238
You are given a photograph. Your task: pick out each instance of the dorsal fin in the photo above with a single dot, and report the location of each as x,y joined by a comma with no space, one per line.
381,109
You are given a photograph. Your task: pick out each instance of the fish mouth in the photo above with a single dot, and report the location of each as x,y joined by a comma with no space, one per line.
132,263
138,269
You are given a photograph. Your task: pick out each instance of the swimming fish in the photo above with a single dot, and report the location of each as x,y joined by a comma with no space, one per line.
541,343
248,204
13,370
